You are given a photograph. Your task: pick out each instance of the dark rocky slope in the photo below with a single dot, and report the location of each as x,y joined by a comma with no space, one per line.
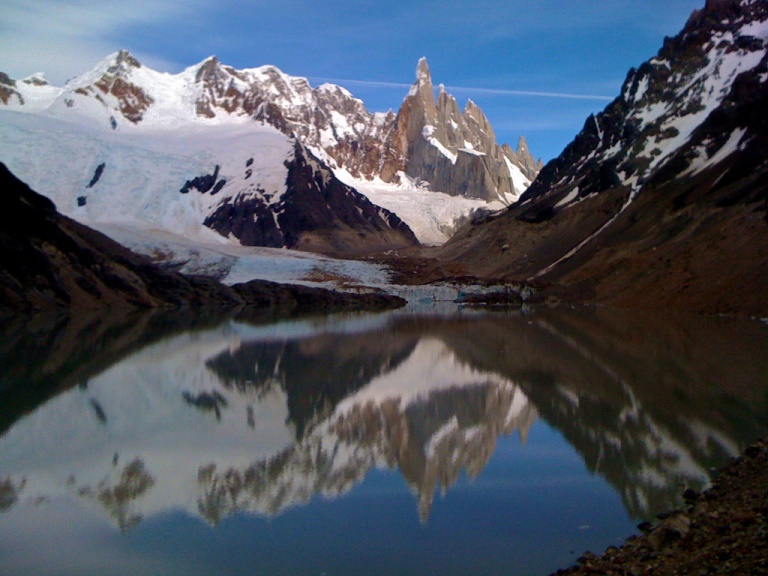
317,213
49,261
661,201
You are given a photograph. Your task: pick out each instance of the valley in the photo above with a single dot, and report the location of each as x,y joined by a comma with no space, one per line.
249,322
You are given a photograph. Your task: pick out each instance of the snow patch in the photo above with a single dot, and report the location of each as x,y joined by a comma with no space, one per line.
428,134
702,161
570,197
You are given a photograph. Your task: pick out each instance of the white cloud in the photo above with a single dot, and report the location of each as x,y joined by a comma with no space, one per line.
64,39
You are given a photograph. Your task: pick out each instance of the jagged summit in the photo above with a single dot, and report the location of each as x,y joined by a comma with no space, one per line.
121,93
456,152
118,64
430,144
522,145
422,72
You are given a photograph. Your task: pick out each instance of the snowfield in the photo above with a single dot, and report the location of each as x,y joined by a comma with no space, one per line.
433,216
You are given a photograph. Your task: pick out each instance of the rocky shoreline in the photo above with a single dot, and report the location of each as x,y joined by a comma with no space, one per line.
723,530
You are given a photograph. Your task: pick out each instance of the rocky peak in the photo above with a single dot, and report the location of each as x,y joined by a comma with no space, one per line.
428,130
529,165
656,127
33,89
112,83
219,88
479,130
423,75
7,80
522,146
208,68
420,102
718,14
660,200
722,8
125,58
121,64
36,80
448,119
456,152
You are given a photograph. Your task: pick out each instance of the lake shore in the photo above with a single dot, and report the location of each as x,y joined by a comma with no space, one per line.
723,530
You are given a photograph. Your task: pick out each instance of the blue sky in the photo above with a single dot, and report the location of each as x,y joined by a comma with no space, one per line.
486,50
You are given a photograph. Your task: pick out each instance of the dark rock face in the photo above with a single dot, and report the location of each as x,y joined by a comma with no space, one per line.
249,219
49,261
317,213
638,141
661,199
8,90
204,183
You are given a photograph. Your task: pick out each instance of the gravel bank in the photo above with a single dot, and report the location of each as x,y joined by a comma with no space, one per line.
721,531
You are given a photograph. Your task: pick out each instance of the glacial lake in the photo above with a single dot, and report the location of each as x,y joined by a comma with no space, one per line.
466,443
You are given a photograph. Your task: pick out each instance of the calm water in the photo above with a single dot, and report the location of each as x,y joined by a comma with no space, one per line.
372,444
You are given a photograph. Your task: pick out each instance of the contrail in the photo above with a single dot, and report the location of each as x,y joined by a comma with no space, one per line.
493,91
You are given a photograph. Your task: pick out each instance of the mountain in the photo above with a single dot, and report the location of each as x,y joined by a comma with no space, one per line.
153,156
424,145
661,200
428,139
48,261
455,151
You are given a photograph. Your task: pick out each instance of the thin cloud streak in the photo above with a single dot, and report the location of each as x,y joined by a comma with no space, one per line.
505,92
492,91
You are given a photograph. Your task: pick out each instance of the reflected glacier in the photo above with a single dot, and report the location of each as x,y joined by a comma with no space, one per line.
215,424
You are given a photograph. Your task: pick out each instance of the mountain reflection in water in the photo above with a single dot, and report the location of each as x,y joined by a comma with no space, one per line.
155,413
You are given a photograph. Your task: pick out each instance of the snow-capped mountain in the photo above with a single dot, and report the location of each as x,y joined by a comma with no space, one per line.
415,142
669,118
137,151
667,184
122,101
49,261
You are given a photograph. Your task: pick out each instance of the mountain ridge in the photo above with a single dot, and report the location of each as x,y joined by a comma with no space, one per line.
661,200
328,119
122,101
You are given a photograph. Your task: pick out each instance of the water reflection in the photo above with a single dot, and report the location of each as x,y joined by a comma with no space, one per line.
408,404
151,413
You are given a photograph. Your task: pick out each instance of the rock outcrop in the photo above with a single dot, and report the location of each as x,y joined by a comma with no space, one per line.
8,91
